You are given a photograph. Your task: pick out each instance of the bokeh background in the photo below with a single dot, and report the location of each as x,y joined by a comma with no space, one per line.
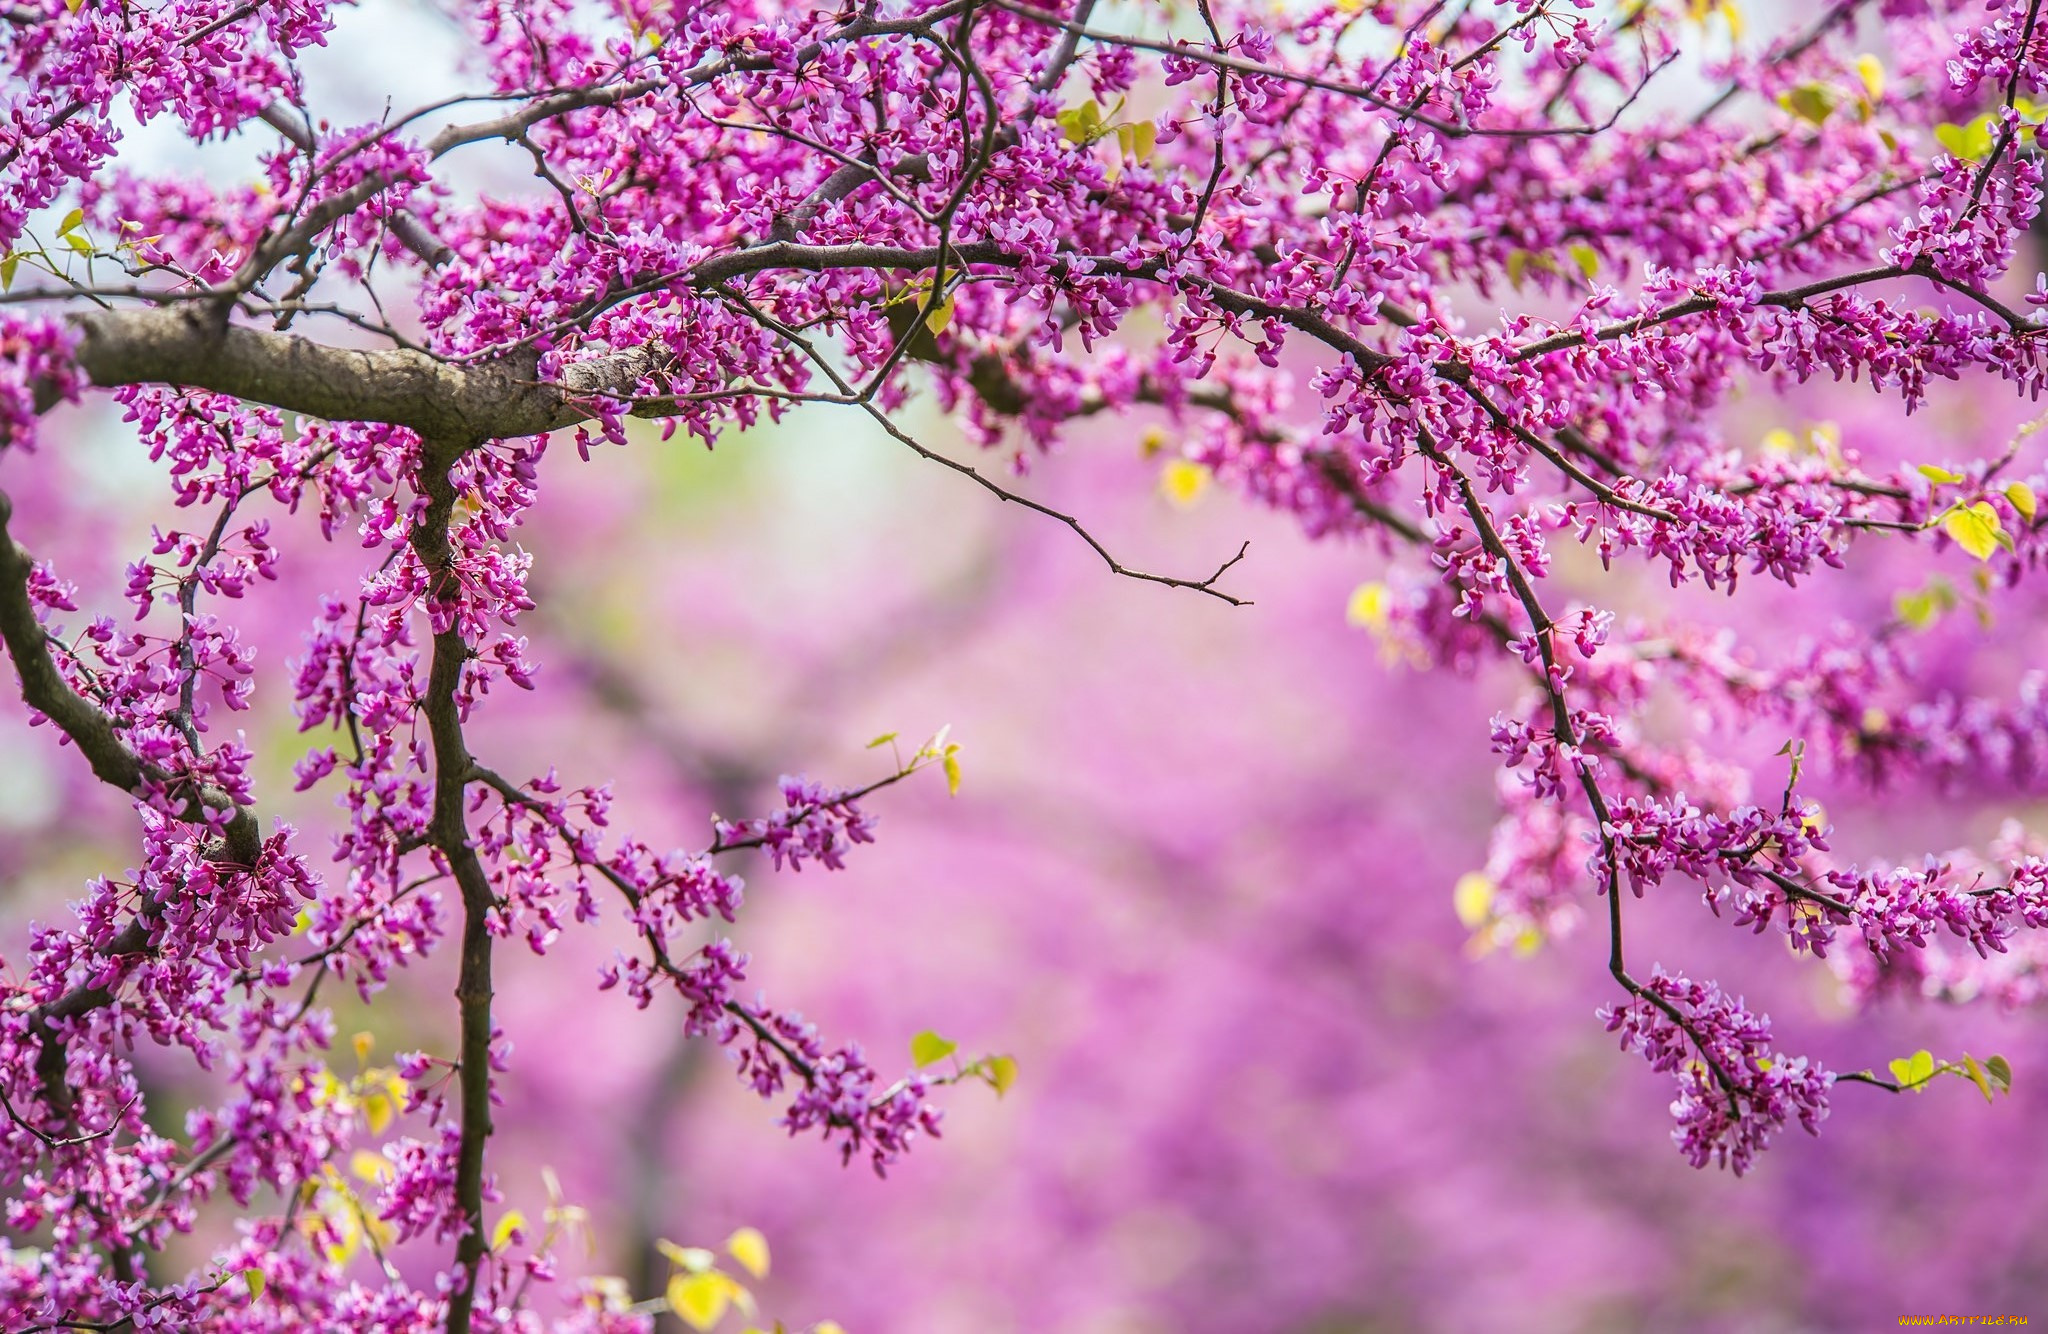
1198,881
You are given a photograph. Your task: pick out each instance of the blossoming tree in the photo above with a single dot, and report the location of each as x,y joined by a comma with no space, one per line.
1517,276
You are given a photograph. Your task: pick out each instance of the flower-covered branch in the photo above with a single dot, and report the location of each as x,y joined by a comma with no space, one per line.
1471,287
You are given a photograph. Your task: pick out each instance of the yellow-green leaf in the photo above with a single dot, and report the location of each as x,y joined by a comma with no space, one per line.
1002,1073
1518,265
509,1224
8,264
378,1110
928,1047
71,222
1369,606
700,1300
882,740
1915,609
1976,1074
1971,142
1871,71
1813,102
940,316
1473,899
1144,137
1082,124
951,764
1975,528
1939,475
254,1279
1183,481
1912,1071
1587,258
750,1248
78,242
2022,499
2000,1072
369,1166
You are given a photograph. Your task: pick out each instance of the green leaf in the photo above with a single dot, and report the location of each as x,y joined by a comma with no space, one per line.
1001,1073
1922,608
1587,258
1144,137
1975,528
71,221
1813,102
1082,124
2000,1072
928,1047
7,267
254,1278
78,241
1971,142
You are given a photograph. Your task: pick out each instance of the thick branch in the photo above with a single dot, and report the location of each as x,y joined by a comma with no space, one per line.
449,833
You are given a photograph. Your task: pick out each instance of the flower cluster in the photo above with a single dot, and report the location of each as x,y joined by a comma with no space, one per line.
1734,1090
